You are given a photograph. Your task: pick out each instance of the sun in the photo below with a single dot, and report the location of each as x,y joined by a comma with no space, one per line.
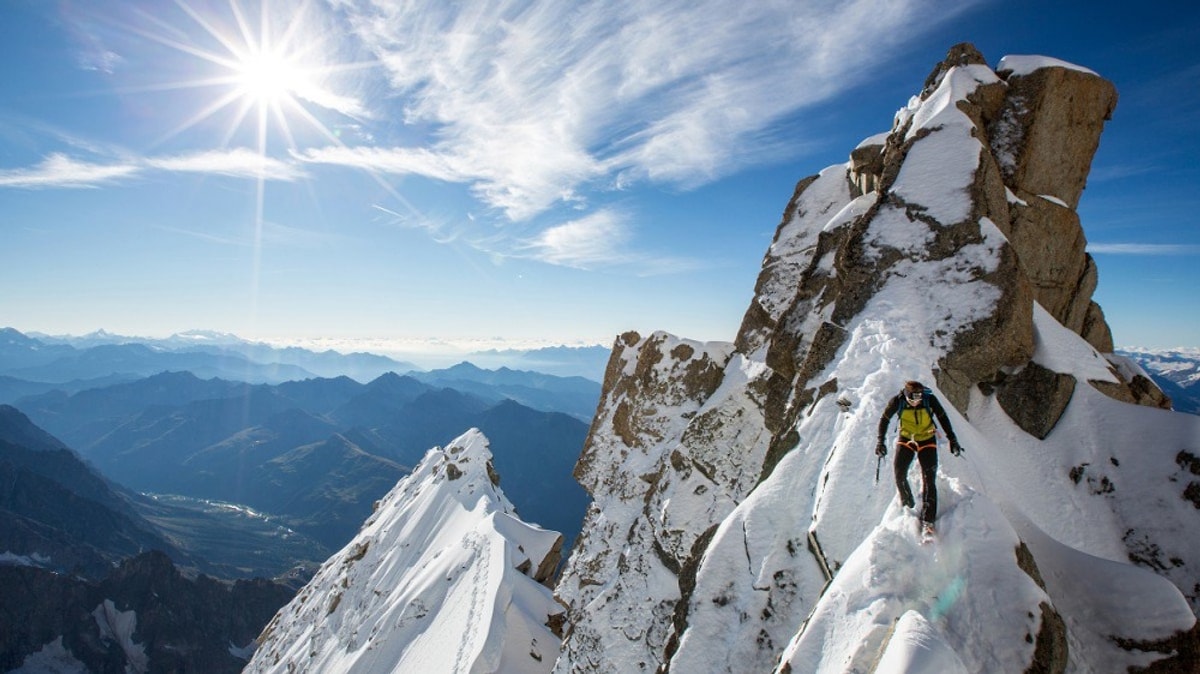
273,68
269,78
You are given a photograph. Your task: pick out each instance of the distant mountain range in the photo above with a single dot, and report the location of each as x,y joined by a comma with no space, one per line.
99,355
64,358
317,453
564,361
202,419
1176,371
572,395
57,512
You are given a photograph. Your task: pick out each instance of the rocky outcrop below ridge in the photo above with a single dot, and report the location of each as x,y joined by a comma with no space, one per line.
145,616
736,524
442,578
659,470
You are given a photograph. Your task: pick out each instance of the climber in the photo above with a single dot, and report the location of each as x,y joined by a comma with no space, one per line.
916,407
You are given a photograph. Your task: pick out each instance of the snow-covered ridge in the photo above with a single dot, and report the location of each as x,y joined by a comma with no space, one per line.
1022,64
934,255
442,578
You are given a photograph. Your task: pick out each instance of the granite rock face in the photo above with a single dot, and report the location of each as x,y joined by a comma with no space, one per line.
1039,128
728,479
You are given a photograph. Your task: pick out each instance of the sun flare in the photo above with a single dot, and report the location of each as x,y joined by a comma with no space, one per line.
274,69
269,78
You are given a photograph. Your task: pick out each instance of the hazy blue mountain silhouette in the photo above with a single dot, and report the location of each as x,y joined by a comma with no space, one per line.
574,395
1183,398
99,356
58,512
317,453
141,360
1177,373
588,362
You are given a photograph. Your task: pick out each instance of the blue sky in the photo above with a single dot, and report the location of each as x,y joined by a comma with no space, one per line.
515,171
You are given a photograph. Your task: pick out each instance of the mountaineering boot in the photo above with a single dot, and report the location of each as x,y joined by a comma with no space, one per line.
927,532
906,497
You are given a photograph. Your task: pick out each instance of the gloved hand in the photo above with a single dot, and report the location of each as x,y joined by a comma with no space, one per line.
955,448
881,449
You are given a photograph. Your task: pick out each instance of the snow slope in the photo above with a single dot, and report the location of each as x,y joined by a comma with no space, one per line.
737,524
1076,552
440,579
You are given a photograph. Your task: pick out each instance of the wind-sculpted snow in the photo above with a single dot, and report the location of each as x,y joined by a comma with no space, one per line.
737,524
976,574
440,579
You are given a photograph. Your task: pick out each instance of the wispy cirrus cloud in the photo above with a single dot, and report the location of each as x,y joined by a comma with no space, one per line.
1143,249
271,232
61,171
396,161
531,102
1120,171
603,239
598,240
236,162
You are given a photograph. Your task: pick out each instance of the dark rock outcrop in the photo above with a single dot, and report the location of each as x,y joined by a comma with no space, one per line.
145,616
1036,398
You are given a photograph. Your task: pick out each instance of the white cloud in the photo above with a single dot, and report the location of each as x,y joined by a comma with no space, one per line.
594,240
1119,171
237,162
399,161
531,102
59,170
1143,249
600,240
271,232
441,230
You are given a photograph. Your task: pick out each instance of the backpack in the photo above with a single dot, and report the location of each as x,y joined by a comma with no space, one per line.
926,395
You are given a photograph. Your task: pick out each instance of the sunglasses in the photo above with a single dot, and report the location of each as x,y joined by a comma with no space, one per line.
913,398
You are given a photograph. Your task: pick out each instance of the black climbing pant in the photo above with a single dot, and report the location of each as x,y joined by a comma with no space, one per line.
926,453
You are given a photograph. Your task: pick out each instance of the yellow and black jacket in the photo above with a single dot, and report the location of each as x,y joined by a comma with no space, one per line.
916,423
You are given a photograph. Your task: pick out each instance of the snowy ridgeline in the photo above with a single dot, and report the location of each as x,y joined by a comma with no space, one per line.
442,578
737,525
1069,551
1024,524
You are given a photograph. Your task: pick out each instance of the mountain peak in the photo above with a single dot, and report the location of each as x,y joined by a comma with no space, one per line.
736,522
960,55
443,577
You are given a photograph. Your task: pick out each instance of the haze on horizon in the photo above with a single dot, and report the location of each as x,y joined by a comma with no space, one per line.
523,173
